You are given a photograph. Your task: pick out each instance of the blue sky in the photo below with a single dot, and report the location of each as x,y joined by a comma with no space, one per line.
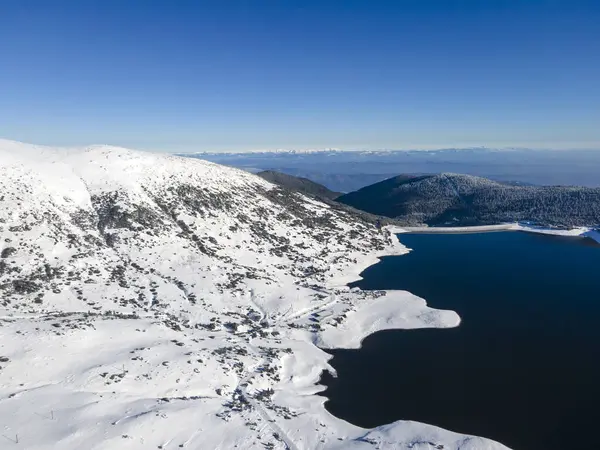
240,75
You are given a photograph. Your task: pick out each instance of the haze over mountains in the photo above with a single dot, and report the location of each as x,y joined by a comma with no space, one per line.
349,171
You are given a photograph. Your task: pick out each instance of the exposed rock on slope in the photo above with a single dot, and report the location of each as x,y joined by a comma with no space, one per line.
467,200
151,301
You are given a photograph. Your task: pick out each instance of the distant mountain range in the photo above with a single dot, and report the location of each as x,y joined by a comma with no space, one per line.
347,171
382,151
453,199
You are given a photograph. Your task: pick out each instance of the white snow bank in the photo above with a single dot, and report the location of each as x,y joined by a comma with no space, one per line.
395,310
471,229
150,300
425,438
593,234
574,232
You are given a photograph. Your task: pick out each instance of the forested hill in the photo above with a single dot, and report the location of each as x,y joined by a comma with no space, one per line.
299,184
467,200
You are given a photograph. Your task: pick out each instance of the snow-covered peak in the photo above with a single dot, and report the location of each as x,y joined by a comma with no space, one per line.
153,301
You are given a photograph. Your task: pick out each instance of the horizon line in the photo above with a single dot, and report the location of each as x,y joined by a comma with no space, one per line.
172,149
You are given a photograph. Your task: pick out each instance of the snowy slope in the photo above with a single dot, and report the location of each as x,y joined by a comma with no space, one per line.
152,301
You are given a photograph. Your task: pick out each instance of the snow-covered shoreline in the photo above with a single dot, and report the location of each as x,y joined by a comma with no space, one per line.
574,232
383,313
458,230
582,232
154,301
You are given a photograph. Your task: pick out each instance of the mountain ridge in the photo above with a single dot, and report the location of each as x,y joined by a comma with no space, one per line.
457,199
299,184
148,299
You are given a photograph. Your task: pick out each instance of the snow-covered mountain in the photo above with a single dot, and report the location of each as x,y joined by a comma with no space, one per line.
347,171
458,199
152,301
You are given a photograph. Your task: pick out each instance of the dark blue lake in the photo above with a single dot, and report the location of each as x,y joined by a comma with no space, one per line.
523,368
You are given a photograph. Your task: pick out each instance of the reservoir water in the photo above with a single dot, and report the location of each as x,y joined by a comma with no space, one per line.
523,368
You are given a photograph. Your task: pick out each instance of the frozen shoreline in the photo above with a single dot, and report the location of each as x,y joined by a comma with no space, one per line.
211,346
395,309
184,347
447,230
574,232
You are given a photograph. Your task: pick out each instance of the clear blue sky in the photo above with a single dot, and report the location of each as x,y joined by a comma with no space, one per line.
236,75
